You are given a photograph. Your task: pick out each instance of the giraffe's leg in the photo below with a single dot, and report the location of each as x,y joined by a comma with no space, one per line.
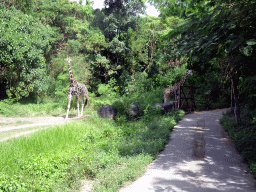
77,104
178,102
165,99
69,101
87,97
82,100
175,101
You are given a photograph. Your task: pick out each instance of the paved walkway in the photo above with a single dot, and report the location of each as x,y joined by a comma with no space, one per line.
198,158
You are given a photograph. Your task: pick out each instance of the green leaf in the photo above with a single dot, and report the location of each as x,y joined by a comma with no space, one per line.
235,43
23,42
251,42
246,50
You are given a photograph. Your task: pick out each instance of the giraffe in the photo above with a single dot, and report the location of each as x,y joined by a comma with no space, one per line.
175,90
76,89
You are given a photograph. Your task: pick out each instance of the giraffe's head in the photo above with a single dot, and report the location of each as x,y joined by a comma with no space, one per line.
190,72
68,59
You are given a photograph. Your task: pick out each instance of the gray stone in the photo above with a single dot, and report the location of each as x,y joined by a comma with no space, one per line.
168,105
162,108
107,111
165,107
134,111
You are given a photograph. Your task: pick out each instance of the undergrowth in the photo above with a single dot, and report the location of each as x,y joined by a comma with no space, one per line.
244,136
109,152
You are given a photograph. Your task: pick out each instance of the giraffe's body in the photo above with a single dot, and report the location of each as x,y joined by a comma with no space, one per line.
76,89
175,90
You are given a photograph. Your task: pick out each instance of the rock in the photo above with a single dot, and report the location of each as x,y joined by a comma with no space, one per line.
134,111
162,108
107,111
165,107
168,105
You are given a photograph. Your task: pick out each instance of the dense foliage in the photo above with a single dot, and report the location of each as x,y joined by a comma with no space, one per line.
23,41
217,36
119,54
116,43
115,48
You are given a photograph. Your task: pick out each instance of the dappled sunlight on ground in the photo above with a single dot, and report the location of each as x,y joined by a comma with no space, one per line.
198,157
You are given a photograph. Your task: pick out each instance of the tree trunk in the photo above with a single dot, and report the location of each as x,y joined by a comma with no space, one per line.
237,110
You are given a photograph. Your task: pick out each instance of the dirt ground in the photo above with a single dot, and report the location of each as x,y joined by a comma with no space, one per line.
16,126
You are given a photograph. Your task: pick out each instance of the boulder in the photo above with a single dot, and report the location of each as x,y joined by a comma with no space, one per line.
168,105
162,108
107,111
134,111
165,107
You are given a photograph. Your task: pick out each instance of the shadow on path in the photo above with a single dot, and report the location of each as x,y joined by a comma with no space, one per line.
198,157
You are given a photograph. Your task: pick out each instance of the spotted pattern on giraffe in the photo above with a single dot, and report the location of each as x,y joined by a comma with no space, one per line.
77,90
174,90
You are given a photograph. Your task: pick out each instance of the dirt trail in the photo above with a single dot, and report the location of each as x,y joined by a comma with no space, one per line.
17,126
8,123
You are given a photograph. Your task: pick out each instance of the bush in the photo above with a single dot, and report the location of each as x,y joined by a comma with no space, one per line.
24,41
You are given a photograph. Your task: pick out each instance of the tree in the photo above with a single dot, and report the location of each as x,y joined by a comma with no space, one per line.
225,31
143,43
120,15
182,8
23,43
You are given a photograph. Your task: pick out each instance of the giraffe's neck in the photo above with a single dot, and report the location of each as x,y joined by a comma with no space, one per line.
71,76
182,81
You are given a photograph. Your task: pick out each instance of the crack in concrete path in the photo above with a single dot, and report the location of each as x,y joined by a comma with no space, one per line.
199,142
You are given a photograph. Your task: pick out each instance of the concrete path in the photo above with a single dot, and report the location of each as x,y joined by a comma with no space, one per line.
198,158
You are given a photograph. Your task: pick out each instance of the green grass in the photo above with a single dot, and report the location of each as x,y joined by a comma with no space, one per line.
10,109
13,132
244,136
112,152
25,110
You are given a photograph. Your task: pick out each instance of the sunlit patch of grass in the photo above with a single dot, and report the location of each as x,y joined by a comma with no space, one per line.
17,132
112,152
29,110
33,109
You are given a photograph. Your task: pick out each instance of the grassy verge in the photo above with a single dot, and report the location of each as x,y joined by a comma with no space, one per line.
11,109
244,136
112,152
13,132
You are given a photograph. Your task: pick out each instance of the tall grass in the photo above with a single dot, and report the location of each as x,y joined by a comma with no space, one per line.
111,152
